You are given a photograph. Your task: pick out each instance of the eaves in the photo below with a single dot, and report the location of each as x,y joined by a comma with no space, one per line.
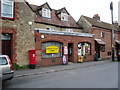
58,25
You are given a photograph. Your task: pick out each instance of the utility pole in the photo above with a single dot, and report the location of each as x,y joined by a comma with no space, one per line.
112,33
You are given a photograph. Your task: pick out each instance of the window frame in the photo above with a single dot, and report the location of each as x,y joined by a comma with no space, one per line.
82,49
51,43
64,16
12,11
50,29
46,13
69,30
102,48
102,34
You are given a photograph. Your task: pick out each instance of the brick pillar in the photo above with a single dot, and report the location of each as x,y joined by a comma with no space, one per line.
75,52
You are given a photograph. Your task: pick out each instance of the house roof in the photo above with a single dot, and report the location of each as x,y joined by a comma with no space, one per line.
55,20
100,24
44,5
60,10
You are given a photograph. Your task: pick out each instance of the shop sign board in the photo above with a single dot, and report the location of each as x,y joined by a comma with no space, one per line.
65,50
52,49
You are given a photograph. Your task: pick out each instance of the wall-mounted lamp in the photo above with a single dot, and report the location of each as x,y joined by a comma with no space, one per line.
42,36
30,23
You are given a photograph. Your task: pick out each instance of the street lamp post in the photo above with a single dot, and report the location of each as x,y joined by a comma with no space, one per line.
112,33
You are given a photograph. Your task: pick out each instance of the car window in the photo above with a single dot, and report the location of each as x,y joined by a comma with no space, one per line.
3,61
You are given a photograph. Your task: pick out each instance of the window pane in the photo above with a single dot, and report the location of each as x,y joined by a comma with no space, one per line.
7,9
50,55
6,15
46,13
3,61
64,16
84,49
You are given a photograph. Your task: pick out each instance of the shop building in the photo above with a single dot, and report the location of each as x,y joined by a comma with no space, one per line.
102,35
58,34
52,33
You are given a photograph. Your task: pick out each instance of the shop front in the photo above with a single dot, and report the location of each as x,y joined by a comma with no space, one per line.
61,47
84,51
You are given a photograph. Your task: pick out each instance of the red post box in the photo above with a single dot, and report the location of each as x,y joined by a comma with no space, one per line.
32,59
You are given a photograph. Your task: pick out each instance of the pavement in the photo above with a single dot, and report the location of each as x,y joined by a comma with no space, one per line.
57,68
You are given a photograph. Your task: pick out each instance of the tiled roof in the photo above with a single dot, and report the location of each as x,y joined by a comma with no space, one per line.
101,24
55,20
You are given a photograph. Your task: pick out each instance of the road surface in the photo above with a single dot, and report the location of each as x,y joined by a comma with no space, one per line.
99,76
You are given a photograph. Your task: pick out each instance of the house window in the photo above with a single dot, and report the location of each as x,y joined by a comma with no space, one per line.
102,34
84,48
69,30
103,48
7,9
46,13
64,16
50,29
51,49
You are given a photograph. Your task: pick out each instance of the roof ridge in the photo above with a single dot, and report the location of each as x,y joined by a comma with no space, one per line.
99,24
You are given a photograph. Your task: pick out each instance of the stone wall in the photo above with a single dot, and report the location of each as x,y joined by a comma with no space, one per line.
24,33
44,26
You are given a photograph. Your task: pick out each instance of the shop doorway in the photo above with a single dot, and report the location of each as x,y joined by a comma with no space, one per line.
97,48
70,52
6,44
117,48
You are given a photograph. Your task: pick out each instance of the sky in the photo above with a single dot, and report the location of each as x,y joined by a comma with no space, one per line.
76,8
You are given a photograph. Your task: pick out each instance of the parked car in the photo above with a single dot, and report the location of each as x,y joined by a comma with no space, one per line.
6,68
118,56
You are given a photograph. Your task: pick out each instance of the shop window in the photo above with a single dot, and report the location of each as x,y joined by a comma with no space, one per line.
7,9
84,48
51,49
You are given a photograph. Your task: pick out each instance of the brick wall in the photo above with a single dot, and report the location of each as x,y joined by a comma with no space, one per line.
13,48
64,40
107,39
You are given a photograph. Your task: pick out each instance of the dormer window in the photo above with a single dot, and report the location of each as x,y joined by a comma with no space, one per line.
7,9
46,13
64,16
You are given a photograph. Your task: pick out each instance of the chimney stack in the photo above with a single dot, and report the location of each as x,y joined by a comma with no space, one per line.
96,17
115,23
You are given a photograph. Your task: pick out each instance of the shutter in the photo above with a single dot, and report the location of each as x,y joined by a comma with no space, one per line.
7,9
